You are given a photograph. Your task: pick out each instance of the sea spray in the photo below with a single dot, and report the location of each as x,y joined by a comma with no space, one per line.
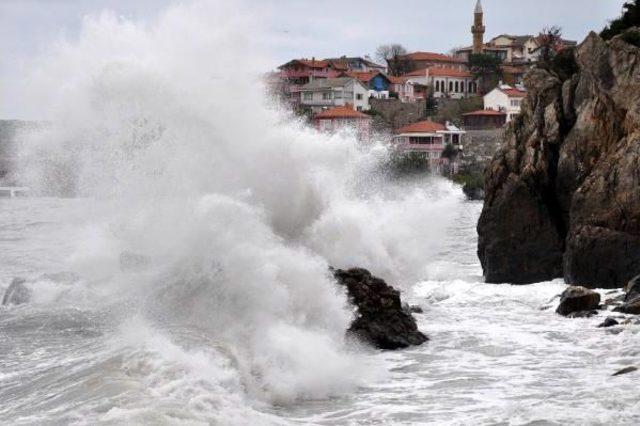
163,129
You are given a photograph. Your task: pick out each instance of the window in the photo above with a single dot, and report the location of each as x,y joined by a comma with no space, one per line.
327,96
359,108
451,86
308,96
457,87
515,102
359,96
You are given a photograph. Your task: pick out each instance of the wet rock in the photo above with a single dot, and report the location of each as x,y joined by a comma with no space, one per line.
632,289
381,320
626,370
577,299
17,293
472,193
416,309
608,322
412,309
562,195
614,301
582,314
632,307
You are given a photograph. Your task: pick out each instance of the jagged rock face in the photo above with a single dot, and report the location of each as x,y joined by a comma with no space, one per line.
563,194
381,321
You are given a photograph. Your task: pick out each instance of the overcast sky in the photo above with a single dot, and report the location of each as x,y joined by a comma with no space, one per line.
307,28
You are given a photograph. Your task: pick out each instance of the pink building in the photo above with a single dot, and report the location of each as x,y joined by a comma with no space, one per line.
343,118
404,88
298,72
427,139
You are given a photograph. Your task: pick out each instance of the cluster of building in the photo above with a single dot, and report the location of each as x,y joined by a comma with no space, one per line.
337,91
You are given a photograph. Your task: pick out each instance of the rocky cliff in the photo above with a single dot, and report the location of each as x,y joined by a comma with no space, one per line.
563,193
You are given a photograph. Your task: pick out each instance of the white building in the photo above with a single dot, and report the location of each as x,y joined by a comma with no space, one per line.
445,82
506,99
331,92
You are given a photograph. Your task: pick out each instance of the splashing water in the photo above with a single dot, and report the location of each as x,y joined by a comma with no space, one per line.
232,213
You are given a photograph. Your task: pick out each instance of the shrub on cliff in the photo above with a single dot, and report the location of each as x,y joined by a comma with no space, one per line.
630,18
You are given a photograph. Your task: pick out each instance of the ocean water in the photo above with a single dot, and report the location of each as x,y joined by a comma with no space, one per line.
177,250
498,354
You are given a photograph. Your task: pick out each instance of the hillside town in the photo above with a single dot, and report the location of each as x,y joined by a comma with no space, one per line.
431,103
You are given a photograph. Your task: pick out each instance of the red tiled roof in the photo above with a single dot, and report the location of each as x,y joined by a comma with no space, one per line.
340,112
397,80
485,112
363,76
430,56
426,126
514,93
439,72
313,63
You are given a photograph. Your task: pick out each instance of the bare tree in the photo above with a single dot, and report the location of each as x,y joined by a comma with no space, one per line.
549,42
390,54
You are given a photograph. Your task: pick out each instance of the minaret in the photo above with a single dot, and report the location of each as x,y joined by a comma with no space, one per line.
478,29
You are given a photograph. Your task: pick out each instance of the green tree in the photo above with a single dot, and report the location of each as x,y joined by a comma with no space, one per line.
431,104
630,18
486,69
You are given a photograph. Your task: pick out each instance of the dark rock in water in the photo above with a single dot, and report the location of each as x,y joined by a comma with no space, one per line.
608,322
614,301
562,196
416,309
412,309
380,321
576,299
632,307
632,289
133,262
582,314
626,370
473,193
17,293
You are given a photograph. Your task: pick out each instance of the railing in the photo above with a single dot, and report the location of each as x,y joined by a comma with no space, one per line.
321,102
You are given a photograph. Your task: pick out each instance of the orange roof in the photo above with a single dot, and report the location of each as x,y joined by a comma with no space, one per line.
430,56
397,80
363,76
311,63
426,126
485,112
514,93
439,72
340,112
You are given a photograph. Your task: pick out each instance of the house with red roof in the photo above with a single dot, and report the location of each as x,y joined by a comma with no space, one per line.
484,119
507,99
445,82
421,60
377,82
428,139
357,64
298,72
327,93
403,88
343,118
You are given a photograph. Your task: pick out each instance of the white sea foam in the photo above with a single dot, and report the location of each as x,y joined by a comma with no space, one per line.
238,210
